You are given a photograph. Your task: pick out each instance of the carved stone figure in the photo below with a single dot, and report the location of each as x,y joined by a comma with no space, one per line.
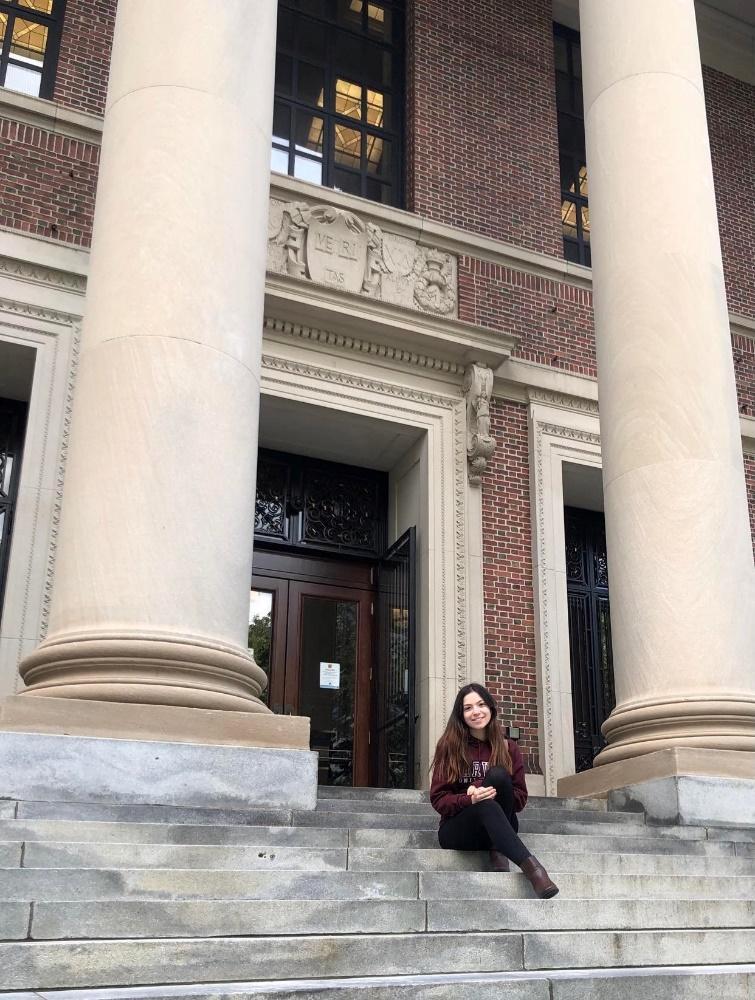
478,387
375,264
334,247
433,290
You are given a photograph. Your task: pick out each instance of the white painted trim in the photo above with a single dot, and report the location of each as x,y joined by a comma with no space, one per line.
557,435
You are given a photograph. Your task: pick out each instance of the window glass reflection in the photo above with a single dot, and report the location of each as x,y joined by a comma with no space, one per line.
334,72
260,639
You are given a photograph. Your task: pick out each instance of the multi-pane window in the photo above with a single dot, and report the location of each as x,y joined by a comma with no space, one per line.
29,43
337,115
575,213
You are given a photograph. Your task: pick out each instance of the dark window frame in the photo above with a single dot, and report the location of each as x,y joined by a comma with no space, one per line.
393,178
54,24
571,143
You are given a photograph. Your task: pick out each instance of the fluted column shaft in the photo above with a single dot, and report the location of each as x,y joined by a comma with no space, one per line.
153,566
680,554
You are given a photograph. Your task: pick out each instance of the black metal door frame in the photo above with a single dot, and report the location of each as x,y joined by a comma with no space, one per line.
587,585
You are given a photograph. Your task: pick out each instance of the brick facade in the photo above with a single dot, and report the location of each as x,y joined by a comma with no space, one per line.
84,63
48,183
483,147
731,126
552,319
507,562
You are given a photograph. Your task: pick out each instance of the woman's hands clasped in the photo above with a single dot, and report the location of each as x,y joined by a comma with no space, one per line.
481,794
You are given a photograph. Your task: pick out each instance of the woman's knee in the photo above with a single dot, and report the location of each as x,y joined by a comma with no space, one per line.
498,776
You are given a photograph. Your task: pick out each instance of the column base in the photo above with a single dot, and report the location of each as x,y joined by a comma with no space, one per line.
675,786
146,668
61,750
634,729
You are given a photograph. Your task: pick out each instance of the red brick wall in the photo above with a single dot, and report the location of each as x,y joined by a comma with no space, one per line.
48,183
553,320
483,147
731,125
84,63
507,574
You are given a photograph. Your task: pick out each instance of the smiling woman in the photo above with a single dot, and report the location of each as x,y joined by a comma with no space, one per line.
478,788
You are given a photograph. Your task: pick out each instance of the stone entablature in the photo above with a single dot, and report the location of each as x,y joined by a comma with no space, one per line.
336,247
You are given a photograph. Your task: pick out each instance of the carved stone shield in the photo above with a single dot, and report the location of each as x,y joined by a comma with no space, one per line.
336,248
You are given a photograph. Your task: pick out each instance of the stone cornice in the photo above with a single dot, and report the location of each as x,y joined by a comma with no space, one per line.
51,116
309,304
326,338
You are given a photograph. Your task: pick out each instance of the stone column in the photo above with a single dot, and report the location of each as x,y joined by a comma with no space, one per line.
680,554
153,565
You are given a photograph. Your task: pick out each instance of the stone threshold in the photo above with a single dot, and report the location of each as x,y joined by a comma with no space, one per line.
237,989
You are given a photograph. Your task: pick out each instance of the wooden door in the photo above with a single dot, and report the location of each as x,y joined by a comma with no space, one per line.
314,640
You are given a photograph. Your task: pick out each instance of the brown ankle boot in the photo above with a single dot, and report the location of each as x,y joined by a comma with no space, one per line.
538,877
499,862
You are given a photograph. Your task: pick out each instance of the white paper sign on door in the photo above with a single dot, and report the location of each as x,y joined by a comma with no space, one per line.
330,675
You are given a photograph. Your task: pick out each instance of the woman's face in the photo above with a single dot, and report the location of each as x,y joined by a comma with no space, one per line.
476,713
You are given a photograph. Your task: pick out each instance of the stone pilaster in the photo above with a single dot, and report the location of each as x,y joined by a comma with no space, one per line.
680,555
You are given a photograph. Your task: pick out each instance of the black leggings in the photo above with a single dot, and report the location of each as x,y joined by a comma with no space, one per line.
487,825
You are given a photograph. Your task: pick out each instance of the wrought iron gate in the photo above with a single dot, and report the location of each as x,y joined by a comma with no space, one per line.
12,426
592,685
395,664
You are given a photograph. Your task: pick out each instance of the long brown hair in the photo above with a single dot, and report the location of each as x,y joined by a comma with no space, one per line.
450,757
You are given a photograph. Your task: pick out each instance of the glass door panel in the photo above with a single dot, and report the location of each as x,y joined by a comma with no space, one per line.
260,638
327,682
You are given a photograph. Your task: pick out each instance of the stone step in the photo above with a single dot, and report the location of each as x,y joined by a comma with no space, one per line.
532,823
428,839
735,982
374,859
71,854
67,964
109,855
108,812
165,833
316,837
542,813
238,917
493,885
408,795
50,884
40,884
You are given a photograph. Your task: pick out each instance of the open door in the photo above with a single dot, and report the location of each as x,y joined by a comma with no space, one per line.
395,665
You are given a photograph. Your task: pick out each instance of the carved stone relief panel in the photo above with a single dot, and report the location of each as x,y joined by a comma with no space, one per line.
333,247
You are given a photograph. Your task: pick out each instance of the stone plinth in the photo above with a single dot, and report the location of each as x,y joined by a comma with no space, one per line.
51,768
677,785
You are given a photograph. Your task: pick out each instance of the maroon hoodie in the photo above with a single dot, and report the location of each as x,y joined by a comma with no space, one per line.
450,797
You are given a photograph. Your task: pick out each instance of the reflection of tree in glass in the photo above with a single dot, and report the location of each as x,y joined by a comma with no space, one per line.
343,704
260,635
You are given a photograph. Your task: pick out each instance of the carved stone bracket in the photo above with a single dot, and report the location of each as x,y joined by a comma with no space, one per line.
478,387
334,247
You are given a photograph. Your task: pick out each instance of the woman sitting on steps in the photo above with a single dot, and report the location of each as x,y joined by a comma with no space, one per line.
478,788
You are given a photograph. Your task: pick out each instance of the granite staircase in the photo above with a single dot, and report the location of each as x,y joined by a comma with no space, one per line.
355,900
